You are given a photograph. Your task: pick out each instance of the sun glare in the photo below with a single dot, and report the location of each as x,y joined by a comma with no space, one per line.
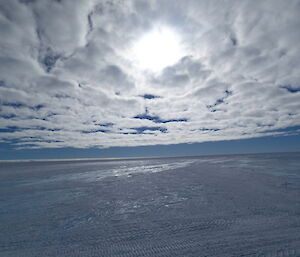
158,49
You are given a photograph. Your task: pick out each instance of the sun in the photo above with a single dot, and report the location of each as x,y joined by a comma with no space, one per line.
157,49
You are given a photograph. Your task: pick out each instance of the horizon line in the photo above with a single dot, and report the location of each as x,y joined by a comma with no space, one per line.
136,157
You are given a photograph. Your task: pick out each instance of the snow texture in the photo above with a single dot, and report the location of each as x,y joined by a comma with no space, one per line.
238,205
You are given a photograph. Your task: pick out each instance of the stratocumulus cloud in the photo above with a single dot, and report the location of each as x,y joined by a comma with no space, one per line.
67,78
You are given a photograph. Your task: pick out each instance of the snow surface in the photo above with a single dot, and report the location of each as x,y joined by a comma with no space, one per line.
238,205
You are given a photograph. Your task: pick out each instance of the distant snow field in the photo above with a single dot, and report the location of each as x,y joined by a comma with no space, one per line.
237,205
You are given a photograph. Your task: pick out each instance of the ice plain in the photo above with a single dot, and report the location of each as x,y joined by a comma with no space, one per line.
235,205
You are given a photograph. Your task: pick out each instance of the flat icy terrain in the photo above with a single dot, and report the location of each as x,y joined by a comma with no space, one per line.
243,205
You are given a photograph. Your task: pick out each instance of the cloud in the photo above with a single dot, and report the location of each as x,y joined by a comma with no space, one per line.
67,78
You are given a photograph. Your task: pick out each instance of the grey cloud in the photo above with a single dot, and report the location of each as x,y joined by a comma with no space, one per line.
183,73
60,24
116,78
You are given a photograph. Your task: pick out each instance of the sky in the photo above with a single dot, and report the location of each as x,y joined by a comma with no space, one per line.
116,78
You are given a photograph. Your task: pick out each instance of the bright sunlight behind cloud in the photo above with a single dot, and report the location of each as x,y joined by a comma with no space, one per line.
157,49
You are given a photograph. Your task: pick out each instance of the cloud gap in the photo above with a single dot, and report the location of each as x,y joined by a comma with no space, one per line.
291,89
95,131
157,119
141,130
149,96
219,101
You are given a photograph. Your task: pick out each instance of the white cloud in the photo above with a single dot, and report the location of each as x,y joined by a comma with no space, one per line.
67,77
